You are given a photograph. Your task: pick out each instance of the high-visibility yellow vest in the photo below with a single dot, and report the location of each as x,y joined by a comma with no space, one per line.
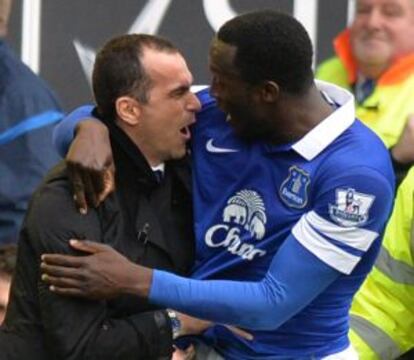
382,313
387,109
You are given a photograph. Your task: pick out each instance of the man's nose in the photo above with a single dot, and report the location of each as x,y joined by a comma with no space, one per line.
374,19
194,103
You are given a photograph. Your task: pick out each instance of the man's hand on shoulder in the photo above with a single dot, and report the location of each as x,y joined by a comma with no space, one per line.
90,164
102,273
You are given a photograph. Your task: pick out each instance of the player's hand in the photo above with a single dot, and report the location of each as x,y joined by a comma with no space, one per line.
193,326
103,274
90,165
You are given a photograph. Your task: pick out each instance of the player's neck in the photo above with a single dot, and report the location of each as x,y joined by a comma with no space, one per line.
303,113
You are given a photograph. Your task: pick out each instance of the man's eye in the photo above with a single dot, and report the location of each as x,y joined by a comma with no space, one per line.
392,11
180,92
363,10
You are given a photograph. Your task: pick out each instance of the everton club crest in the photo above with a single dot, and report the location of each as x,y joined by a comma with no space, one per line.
294,190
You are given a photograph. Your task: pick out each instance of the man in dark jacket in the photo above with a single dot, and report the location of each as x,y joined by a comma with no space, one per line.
142,89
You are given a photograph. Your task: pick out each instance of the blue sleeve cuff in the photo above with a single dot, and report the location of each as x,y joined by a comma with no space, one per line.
159,278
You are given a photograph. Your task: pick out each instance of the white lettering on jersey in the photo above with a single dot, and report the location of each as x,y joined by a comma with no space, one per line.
245,209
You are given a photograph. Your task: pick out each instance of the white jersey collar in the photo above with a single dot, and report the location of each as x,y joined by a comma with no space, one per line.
315,141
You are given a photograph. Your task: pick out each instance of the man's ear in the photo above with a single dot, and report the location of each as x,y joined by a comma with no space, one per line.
128,110
270,91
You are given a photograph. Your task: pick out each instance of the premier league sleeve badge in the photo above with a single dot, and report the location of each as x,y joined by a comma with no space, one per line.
351,207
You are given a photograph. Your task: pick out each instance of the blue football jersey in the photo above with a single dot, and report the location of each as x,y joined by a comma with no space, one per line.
270,212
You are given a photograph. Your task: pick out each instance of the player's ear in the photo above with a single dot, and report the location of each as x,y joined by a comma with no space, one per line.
270,91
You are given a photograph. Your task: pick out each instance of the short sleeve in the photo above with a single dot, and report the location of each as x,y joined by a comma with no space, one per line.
349,213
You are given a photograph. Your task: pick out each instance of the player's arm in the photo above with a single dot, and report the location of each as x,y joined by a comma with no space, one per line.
82,122
84,142
293,280
327,242
65,130
320,248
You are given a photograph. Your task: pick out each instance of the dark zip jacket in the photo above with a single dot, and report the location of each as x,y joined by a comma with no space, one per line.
148,222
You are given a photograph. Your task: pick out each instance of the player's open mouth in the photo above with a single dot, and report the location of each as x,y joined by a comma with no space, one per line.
186,132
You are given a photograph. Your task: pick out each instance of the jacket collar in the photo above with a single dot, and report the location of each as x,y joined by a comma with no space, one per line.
121,142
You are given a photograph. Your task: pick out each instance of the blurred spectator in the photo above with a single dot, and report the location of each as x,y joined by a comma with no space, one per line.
7,263
382,314
375,59
27,111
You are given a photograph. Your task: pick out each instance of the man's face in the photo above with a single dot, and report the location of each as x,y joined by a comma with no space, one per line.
4,294
234,95
171,107
382,31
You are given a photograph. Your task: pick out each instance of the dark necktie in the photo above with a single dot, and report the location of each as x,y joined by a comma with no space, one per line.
364,90
158,175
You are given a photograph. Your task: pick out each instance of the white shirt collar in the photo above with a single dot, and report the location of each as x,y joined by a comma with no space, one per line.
160,167
316,140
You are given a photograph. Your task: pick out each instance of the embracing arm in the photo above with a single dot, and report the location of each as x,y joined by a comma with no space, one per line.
325,243
295,277
84,141
293,280
65,130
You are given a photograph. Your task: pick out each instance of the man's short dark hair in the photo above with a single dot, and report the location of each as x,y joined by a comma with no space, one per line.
118,70
271,46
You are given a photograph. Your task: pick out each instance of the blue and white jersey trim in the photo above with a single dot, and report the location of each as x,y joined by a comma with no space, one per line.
355,237
315,234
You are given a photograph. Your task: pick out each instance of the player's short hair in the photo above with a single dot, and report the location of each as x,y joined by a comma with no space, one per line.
271,46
